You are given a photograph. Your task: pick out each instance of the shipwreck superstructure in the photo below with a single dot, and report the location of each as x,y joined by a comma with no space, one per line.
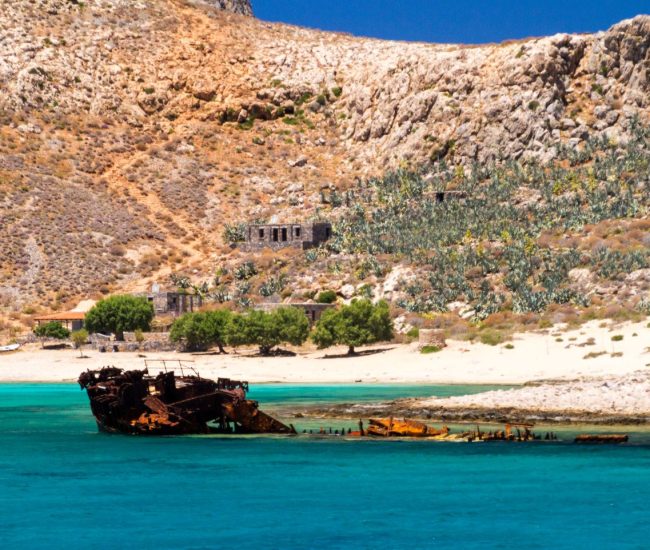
135,402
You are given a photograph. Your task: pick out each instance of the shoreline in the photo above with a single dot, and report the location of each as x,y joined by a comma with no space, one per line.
555,354
597,373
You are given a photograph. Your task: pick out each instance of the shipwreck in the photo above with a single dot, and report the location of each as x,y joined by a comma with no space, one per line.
136,402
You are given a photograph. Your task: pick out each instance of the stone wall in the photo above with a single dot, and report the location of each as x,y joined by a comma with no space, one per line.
431,337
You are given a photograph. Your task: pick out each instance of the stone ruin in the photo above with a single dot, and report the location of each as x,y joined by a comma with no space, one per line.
300,235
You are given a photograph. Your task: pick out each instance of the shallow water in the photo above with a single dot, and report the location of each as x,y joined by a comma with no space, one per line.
62,484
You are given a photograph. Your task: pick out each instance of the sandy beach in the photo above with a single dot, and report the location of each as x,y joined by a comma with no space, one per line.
588,351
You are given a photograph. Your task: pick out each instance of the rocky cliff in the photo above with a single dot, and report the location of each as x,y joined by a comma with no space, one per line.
130,132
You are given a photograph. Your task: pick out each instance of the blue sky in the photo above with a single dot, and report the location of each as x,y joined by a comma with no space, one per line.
466,21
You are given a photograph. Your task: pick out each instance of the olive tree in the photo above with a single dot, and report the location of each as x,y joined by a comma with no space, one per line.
200,331
119,314
285,325
53,329
79,338
357,324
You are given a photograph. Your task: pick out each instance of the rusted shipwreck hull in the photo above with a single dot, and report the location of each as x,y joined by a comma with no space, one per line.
134,402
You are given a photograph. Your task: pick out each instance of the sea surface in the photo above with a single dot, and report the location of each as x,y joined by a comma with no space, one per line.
64,485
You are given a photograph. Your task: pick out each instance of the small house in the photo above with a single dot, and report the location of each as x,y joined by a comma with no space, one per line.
72,320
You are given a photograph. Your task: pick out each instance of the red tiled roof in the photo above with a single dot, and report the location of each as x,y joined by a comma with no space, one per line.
63,316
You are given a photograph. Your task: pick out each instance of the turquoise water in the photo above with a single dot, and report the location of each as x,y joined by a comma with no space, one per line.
63,485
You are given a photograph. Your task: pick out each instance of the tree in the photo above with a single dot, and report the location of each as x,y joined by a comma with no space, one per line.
200,331
118,314
79,338
267,330
53,329
358,324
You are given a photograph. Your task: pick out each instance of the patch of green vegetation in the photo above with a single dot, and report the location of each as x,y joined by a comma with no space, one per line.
148,90
304,98
491,337
426,350
247,124
604,69
509,346
413,334
326,297
617,338
597,88
533,105
337,91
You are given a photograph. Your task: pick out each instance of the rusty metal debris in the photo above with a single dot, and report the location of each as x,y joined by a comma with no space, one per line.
389,427
602,438
135,402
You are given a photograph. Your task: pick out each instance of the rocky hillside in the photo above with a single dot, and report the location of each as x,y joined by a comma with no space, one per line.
132,132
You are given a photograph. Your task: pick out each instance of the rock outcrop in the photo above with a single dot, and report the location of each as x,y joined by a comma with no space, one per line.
242,7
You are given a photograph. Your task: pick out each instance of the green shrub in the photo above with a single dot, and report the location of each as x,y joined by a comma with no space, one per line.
304,98
617,338
430,349
509,346
247,124
337,91
491,337
326,297
234,233
413,334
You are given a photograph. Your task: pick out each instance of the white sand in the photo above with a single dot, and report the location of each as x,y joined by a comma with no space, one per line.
535,356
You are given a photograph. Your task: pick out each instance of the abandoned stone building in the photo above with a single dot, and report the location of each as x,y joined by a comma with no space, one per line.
300,235
173,303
